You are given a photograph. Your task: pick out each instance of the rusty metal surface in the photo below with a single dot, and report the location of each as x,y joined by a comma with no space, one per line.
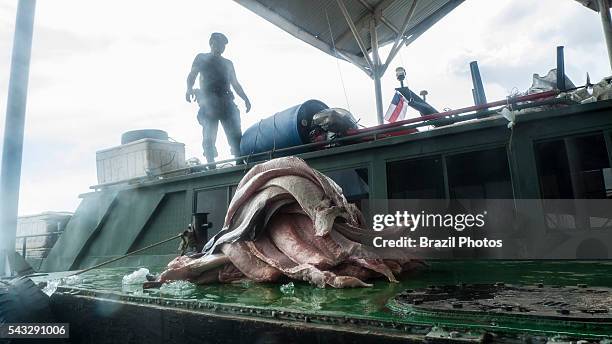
119,319
582,311
555,302
130,318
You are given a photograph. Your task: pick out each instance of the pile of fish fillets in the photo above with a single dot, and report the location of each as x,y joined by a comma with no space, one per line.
289,221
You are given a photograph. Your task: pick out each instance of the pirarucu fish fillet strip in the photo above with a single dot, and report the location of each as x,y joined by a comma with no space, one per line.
287,221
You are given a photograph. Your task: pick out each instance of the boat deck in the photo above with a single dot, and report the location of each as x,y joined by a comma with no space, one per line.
262,310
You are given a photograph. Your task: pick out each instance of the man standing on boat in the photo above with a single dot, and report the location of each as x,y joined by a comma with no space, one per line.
215,97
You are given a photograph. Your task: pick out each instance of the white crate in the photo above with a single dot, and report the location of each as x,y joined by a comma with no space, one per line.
138,159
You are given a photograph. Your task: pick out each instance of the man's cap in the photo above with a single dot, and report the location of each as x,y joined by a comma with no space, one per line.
218,36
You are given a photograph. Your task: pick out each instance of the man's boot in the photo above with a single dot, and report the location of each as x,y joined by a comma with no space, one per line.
210,158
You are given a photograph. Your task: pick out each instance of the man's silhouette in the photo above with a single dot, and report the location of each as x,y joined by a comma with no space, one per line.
215,97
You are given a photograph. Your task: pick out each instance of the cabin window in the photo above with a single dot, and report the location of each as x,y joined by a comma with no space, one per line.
479,175
415,179
574,167
214,202
355,185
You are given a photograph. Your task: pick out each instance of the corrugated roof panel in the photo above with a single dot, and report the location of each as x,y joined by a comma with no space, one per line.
592,4
310,20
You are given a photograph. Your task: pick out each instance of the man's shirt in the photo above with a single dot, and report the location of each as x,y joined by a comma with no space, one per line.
215,72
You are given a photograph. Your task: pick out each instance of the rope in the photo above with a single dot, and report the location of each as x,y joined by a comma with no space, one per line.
164,164
273,136
254,145
331,35
128,254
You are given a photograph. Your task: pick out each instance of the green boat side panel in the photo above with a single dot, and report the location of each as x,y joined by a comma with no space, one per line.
117,234
88,217
169,219
150,211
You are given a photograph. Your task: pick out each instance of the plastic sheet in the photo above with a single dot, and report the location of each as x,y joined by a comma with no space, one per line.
547,82
603,89
509,115
335,120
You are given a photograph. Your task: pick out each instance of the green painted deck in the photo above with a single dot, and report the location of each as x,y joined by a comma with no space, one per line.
368,303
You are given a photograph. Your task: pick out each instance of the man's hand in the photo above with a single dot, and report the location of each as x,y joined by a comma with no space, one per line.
189,95
247,103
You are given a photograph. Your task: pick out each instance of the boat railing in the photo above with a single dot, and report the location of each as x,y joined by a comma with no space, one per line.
24,244
375,133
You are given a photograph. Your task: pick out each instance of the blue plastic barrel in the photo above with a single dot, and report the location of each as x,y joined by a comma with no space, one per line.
284,129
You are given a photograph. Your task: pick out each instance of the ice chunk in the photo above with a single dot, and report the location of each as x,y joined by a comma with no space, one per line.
51,287
178,288
137,277
72,280
135,289
287,289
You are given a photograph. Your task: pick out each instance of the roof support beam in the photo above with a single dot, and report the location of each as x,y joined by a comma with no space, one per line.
356,61
377,73
379,8
400,37
360,24
364,21
350,23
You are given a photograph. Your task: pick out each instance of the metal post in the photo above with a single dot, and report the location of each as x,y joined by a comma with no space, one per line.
24,247
376,71
478,90
560,69
12,148
399,39
582,218
378,94
604,12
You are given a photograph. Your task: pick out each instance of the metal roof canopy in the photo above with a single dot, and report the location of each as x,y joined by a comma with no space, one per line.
592,4
353,30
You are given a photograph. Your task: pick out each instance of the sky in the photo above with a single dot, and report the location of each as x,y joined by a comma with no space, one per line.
100,68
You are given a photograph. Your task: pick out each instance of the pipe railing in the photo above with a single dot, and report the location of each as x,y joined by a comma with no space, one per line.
443,118
507,101
24,244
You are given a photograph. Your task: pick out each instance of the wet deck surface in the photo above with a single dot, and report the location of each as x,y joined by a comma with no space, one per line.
369,302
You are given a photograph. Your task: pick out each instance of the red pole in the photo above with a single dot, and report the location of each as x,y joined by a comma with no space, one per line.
426,118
